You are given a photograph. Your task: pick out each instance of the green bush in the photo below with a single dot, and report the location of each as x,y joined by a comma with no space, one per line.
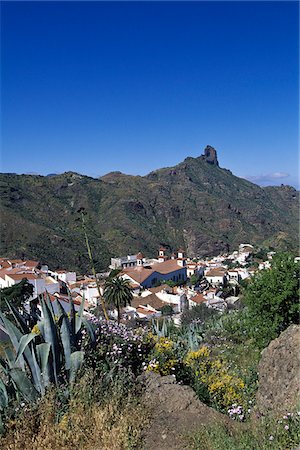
272,299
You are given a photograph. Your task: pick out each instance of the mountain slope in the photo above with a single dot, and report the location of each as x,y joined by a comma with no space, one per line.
195,204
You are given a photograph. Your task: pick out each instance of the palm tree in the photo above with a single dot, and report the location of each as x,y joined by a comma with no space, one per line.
117,292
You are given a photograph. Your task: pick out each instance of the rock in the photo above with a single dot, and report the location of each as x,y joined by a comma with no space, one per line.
279,374
175,412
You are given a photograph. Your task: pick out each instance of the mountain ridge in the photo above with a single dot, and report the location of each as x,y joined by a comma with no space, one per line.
195,204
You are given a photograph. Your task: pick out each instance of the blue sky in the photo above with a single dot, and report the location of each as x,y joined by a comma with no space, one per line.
133,86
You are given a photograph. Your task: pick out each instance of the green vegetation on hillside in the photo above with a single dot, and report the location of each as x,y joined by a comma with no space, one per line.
197,205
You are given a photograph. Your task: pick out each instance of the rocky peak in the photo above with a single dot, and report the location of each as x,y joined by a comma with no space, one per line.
210,155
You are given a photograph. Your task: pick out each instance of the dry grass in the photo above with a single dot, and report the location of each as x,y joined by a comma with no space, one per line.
112,425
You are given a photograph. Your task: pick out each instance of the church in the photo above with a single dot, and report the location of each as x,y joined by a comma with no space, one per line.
165,269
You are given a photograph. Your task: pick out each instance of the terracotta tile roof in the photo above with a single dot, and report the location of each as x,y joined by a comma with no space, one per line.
64,298
151,300
31,263
134,285
140,274
160,288
10,271
20,276
79,283
16,261
145,311
199,298
166,267
5,264
215,273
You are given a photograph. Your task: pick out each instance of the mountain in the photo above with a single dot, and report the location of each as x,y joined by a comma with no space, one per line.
195,204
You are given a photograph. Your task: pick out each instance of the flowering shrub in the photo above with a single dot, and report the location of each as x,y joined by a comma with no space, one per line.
117,348
223,388
163,357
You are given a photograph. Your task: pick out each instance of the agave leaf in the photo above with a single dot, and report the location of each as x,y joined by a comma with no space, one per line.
49,304
3,396
60,310
2,429
38,379
72,316
79,315
23,385
66,341
43,352
76,362
14,334
24,351
24,341
20,321
10,357
4,366
41,326
164,330
50,336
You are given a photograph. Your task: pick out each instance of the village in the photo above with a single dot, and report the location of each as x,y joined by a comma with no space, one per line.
164,286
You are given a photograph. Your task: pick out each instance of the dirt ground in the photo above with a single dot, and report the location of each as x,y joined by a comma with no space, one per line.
175,413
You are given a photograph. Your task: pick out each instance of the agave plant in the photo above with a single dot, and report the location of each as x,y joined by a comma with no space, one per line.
33,361
164,330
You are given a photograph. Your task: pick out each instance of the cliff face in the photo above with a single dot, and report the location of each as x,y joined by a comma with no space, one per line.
195,204
210,155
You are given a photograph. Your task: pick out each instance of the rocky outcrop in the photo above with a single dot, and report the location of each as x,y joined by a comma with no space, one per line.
279,374
175,412
210,155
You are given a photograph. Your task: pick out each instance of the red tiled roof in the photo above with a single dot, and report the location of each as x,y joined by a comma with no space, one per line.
140,274
215,273
79,283
134,285
5,264
198,298
160,288
151,300
20,276
31,263
145,311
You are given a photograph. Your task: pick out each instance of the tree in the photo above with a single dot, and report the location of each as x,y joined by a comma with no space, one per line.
167,310
16,295
194,279
117,293
199,313
272,299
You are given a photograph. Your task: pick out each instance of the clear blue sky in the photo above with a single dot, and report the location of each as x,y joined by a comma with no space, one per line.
99,86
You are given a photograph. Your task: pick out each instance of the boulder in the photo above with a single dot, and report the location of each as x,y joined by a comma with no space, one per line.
279,374
175,412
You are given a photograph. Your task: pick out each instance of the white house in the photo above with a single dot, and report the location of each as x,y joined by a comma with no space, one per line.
40,283
64,275
215,275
